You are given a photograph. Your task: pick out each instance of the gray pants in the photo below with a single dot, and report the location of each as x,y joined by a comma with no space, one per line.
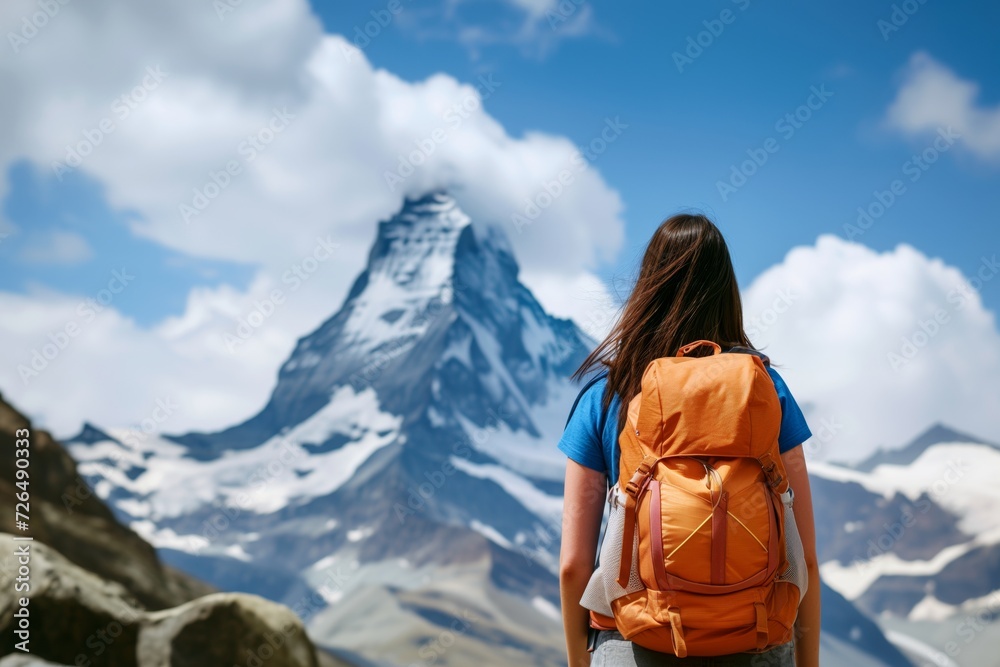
614,651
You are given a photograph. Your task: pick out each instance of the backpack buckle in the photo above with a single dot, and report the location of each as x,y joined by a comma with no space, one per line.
774,478
640,480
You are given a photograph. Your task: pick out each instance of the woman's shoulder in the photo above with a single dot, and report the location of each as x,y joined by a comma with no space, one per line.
779,382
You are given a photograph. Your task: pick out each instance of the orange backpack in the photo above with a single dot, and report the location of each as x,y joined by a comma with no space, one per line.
701,556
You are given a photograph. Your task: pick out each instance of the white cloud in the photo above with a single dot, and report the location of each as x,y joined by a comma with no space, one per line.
57,247
584,299
878,346
543,24
535,8
932,96
173,96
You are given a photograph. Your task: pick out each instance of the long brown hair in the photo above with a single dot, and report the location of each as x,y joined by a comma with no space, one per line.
686,291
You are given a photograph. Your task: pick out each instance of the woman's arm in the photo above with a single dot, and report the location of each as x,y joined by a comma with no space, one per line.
583,507
808,622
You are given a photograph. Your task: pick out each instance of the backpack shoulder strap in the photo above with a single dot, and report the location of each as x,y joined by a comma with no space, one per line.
749,350
604,413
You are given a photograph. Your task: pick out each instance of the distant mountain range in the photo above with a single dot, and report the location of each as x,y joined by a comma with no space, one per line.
405,467
936,434
912,537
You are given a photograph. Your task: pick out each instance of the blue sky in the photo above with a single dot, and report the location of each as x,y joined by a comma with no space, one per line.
831,104
39,203
686,129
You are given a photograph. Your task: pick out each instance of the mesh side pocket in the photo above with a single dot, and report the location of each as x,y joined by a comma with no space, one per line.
796,572
603,586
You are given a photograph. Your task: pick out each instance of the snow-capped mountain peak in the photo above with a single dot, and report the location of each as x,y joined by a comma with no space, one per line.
411,266
438,306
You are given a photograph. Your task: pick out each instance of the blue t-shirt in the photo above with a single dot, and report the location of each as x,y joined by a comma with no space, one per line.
582,442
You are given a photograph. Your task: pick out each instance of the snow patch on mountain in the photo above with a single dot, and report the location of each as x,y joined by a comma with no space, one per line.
546,607
932,609
960,477
286,469
490,533
548,508
534,457
853,580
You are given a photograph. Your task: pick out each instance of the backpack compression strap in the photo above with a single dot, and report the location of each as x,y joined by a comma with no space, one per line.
634,491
